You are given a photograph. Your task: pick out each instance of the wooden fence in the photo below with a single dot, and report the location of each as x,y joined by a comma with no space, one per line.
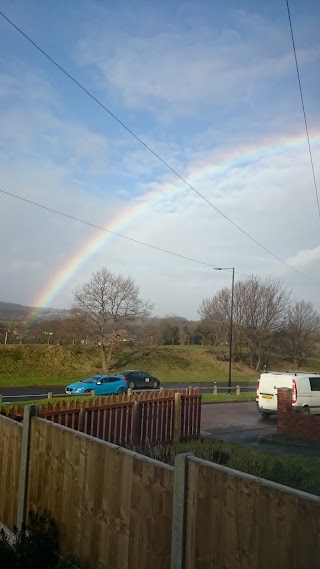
116,508
154,417
113,507
236,521
10,453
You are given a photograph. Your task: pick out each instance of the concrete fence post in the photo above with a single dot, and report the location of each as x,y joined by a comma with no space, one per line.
238,390
50,395
215,389
29,412
177,417
179,509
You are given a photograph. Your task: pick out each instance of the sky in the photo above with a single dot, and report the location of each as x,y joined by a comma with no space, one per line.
212,88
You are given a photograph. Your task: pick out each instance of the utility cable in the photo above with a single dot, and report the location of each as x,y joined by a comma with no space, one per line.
144,243
147,146
303,110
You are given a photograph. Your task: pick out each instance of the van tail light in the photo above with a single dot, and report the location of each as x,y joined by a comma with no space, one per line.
125,378
257,394
294,391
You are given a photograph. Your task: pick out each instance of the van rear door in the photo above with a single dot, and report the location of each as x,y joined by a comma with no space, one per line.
267,400
268,390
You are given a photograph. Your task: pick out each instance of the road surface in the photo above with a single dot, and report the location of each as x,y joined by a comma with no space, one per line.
12,394
241,423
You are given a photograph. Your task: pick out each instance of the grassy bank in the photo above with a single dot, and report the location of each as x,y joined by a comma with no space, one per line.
58,365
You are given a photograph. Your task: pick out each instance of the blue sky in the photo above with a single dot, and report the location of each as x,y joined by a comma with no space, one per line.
198,82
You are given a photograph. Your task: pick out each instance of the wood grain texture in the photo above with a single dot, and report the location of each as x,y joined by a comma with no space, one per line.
10,454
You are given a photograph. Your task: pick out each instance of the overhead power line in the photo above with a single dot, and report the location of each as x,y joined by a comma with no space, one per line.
117,234
87,92
303,110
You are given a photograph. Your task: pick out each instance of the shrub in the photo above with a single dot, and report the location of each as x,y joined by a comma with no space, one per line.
35,546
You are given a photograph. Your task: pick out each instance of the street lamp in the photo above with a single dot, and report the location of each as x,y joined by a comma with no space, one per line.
48,334
231,323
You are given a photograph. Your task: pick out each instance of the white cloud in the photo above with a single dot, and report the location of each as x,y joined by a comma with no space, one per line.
181,71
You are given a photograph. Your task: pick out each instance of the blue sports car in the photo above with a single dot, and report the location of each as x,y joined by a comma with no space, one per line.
101,384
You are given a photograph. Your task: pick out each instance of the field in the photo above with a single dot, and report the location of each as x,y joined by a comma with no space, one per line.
33,365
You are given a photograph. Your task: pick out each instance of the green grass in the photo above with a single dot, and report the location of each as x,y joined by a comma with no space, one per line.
224,397
33,365
45,401
296,472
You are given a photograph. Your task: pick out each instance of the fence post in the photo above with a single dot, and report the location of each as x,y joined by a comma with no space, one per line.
82,417
93,392
29,412
177,418
215,389
238,390
50,394
135,423
179,508
129,392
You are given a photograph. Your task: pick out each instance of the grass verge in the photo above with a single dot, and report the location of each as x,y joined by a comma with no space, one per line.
225,398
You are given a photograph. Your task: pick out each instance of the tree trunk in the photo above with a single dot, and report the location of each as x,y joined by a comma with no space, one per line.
108,357
103,357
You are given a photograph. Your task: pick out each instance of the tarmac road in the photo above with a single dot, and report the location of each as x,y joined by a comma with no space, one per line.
241,423
13,394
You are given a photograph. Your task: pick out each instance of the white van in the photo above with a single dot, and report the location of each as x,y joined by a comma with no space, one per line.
305,391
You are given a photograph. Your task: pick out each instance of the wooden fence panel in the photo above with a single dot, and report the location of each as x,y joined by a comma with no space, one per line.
235,520
151,515
190,414
155,420
100,496
10,454
136,419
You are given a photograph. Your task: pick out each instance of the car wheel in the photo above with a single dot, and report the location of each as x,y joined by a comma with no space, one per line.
88,391
131,384
121,391
265,415
155,385
306,410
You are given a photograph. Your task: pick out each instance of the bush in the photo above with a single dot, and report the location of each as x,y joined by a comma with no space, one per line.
286,470
35,546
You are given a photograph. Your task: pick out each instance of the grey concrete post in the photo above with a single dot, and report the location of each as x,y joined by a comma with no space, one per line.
179,511
29,412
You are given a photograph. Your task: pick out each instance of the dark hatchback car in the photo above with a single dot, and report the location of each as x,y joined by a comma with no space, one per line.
139,379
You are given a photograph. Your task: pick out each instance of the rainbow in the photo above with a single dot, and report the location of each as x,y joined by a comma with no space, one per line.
233,159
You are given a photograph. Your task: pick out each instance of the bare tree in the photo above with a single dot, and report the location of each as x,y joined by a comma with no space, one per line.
109,301
299,336
260,309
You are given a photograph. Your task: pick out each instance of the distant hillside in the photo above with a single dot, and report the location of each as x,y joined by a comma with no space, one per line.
11,312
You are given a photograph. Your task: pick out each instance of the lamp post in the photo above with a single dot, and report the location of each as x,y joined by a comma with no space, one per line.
231,323
48,334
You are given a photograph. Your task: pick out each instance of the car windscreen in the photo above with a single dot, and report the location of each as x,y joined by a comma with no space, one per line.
90,380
